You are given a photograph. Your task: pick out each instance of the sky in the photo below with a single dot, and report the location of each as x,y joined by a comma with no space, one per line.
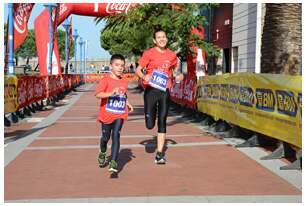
86,27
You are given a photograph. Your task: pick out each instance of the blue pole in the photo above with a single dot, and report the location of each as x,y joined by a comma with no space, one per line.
66,49
66,26
81,56
11,69
84,47
50,8
75,36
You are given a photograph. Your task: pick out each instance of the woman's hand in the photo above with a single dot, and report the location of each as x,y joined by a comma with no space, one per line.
179,78
146,77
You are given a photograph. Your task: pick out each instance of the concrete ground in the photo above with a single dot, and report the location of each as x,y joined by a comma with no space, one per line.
52,157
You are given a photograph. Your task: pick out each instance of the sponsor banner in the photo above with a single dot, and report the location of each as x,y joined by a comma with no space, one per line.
22,14
10,94
97,77
32,89
41,25
270,104
185,92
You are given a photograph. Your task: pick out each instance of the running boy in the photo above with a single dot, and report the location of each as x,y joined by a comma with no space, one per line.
113,109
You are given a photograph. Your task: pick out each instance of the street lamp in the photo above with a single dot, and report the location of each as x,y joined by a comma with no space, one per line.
10,65
66,25
50,9
75,36
81,42
85,58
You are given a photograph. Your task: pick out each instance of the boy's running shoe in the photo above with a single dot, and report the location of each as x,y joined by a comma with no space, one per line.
101,158
160,158
113,166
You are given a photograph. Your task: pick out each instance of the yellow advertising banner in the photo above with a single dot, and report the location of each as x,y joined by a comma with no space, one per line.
270,104
10,94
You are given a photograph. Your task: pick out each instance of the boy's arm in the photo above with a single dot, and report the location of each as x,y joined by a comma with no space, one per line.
107,94
129,106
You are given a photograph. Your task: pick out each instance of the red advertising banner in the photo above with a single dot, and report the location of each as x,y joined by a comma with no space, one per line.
185,92
32,89
22,14
42,45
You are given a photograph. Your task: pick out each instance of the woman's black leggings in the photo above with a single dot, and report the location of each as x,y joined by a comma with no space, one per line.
156,100
111,129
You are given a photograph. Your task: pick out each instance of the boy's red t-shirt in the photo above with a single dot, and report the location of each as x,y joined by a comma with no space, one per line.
163,61
108,84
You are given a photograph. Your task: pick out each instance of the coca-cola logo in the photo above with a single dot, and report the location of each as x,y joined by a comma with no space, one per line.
21,15
117,7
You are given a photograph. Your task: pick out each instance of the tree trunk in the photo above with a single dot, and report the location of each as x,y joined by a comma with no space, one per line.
16,60
281,50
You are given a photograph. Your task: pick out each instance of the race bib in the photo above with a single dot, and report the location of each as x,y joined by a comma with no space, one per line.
159,80
116,104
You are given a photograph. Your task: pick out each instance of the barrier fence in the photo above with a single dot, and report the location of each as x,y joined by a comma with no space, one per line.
25,90
270,104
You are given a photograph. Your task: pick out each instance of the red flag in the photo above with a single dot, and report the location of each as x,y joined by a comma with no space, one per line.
22,14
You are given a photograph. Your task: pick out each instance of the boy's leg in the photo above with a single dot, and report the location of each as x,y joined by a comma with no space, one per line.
116,129
106,130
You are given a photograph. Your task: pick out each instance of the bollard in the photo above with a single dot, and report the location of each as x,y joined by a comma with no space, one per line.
7,122
258,140
208,121
14,117
27,112
31,108
20,114
282,151
222,126
238,132
198,117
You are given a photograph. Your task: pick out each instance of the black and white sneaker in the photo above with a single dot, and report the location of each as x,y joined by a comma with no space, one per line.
160,158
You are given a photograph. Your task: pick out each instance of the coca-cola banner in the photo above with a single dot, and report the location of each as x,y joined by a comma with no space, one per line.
32,89
22,14
184,93
90,78
41,26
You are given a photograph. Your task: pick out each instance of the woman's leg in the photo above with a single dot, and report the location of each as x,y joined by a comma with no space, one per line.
150,107
163,106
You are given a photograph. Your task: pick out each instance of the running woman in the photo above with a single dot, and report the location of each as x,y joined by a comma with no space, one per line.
113,110
161,67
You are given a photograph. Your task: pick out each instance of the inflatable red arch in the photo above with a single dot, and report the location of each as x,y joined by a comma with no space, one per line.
41,26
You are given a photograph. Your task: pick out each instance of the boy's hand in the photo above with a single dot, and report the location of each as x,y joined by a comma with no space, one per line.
130,107
116,91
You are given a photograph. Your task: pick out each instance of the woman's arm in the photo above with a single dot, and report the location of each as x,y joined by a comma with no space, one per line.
141,75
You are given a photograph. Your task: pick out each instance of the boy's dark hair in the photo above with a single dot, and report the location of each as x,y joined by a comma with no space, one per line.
156,29
117,56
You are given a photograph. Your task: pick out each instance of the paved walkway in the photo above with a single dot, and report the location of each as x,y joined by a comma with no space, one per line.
56,161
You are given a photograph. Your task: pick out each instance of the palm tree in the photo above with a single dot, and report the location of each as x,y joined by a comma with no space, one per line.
281,50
